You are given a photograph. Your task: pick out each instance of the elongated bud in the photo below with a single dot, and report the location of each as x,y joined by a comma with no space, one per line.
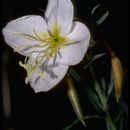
118,74
72,94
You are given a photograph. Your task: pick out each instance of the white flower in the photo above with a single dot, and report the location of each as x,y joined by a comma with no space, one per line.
50,44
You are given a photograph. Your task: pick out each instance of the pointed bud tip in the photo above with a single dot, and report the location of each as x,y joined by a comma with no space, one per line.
118,99
83,122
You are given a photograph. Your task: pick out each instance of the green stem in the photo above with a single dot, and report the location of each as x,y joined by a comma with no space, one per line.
92,72
85,118
109,122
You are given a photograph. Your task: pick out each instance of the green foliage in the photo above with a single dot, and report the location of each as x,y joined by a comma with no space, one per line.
94,9
101,91
93,59
99,97
102,18
77,121
110,125
75,75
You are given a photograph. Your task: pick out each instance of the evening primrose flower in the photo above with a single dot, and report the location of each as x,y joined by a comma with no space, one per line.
50,44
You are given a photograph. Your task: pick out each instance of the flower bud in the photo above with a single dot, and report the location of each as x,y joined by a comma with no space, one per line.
117,74
73,97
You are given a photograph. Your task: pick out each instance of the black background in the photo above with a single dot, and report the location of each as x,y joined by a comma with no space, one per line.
52,110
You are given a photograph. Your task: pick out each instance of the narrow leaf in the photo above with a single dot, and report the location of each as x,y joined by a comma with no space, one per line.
121,124
118,118
102,18
110,85
94,9
94,100
92,43
101,95
109,123
103,84
75,75
93,59
77,121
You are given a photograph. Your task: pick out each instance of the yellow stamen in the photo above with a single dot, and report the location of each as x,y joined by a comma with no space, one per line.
47,48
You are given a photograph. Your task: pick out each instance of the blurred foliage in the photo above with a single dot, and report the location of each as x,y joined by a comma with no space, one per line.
102,18
99,96
102,91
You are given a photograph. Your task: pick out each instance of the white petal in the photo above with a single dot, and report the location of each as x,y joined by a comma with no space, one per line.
52,75
17,33
73,54
60,13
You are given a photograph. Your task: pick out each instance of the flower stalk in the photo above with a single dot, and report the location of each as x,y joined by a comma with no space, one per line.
109,122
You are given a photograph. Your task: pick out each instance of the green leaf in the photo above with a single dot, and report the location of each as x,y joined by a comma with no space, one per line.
75,75
118,118
121,124
109,122
93,59
110,85
101,95
94,9
110,125
102,18
103,82
85,118
94,100
92,43
71,125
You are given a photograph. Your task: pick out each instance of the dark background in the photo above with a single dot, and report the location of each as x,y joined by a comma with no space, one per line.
52,110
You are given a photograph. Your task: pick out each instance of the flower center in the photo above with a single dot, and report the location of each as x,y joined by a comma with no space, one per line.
47,50
57,41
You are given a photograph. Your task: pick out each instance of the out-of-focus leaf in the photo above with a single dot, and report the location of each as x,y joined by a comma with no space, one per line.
6,87
121,124
92,43
102,18
110,85
75,75
71,125
93,59
108,105
109,122
103,84
124,107
110,125
94,100
43,11
101,95
118,118
77,121
94,9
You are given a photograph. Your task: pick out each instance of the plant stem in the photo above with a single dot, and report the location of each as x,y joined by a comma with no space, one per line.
92,72
109,122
